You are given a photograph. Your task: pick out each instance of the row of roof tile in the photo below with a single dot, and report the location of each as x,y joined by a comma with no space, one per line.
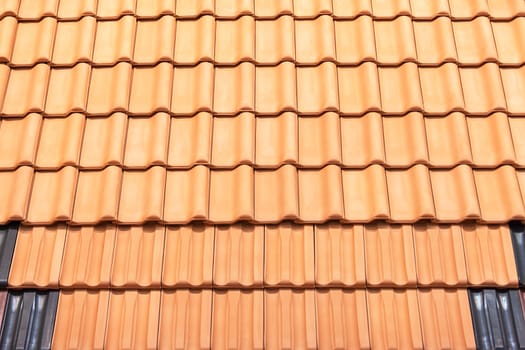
264,143
228,42
263,90
247,256
264,196
72,9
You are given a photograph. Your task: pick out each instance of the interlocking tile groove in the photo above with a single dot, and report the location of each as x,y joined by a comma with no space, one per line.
497,318
234,41
18,140
151,89
68,90
33,42
74,41
268,51
315,40
434,39
395,40
8,236
148,51
470,51
109,89
233,140
193,89
518,244
354,40
29,319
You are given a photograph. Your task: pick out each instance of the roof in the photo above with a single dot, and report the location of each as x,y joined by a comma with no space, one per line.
249,173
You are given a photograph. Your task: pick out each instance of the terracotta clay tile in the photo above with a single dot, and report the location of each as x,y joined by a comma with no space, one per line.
186,196
440,259
231,195
133,319
14,192
139,200
339,255
476,51
73,9
489,256
87,258
351,8
441,89
482,89
405,142
34,41
9,8
109,89
238,319
275,89
185,319
188,256
238,256
233,8
359,89
498,194
399,93
18,140
390,9
359,143
148,51
514,86
455,197
52,196
311,9
68,90
26,90
289,317
317,89
468,9
273,8
195,40
114,41
147,141
37,257
97,195
448,140
517,128
289,255
30,10
389,255
147,9
4,78
422,9
315,40
137,258
434,40
60,140
191,8
506,9
342,321
8,27
81,319
115,9
395,40
355,40
394,319
193,89
445,319
410,194
74,41
190,140
234,40
103,142
275,40
234,89
320,194
151,89
365,194
233,140
319,140
276,194
281,130
490,140
508,37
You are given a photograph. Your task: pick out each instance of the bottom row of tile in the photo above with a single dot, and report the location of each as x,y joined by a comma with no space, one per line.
256,319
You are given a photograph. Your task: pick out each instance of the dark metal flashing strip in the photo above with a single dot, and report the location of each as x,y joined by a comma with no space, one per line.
517,233
8,235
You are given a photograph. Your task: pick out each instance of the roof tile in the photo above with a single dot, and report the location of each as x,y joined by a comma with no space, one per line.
195,40
319,140
275,89
34,41
192,9
137,258
239,259
8,27
482,89
314,40
390,9
115,9
74,41
234,40
87,257
506,9
355,41
268,50
37,257
434,40
68,90
395,40
29,10
9,8
151,89
276,194
18,140
190,140
233,8
317,88
310,9
193,89
405,141
476,51
359,89
52,196
517,127
188,256
358,141
234,89
109,89
148,51
468,9
147,9
398,93
508,36
81,319
441,89
351,8
76,9
233,140
514,87
114,41
15,193
280,130
339,256
439,254
4,78
273,8
423,9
